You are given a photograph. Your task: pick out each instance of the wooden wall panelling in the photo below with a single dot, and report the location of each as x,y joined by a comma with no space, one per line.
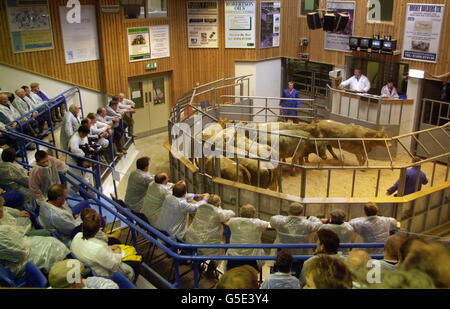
295,27
190,66
50,63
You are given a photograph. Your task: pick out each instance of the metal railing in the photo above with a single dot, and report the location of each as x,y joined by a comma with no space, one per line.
191,144
307,113
428,112
177,251
183,251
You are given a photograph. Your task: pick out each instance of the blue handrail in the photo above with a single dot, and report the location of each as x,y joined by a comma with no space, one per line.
169,246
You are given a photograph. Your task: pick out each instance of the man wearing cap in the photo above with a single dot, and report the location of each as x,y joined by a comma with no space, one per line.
69,274
336,224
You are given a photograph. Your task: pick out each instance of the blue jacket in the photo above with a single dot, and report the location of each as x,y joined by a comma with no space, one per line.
290,103
411,178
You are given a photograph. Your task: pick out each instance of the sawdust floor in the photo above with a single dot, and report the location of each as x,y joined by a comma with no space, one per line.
365,181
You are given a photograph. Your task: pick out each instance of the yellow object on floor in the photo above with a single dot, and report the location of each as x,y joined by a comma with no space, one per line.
131,254
115,234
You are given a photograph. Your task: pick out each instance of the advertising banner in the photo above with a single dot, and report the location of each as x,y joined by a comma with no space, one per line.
29,25
240,22
270,24
203,24
422,35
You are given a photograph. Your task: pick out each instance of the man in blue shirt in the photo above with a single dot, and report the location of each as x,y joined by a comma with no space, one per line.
411,179
290,93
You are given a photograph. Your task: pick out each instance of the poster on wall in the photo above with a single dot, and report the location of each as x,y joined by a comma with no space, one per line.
139,44
159,42
146,43
80,39
338,40
270,24
422,35
240,22
29,25
203,24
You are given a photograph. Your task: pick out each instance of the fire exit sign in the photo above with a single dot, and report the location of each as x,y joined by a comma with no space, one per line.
151,66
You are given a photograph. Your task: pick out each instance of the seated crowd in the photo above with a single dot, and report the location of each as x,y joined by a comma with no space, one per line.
78,232
114,120
168,208
64,235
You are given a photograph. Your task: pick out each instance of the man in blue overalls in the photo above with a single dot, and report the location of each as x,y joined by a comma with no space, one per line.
290,93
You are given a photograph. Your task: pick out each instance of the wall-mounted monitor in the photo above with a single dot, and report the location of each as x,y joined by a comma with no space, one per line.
377,44
353,42
365,43
389,45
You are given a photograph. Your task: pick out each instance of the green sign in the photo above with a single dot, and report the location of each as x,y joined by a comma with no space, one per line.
151,66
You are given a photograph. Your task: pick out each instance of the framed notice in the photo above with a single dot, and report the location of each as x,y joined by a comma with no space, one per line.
423,26
29,25
338,40
80,39
270,24
146,43
203,24
159,42
240,22
139,44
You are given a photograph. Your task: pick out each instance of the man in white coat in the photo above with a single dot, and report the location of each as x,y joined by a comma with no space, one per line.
373,228
153,201
56,215
78,140
14,176
337,224
207,226
389,91
138,184
175,211
246,229
69,126
103,259
24,105
357,83
8,113
100,132
295,228
45,174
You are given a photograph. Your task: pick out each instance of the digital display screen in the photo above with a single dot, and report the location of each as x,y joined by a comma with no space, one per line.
387,45
376,43
353,41
364,43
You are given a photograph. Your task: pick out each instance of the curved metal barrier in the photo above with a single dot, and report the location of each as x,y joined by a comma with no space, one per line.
171,247
189,146
179,252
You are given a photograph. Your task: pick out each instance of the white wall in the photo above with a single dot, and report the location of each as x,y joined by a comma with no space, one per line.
247,68
11,79
265,82
411,112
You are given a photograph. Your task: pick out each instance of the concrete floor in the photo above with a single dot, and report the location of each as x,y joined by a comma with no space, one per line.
150,146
